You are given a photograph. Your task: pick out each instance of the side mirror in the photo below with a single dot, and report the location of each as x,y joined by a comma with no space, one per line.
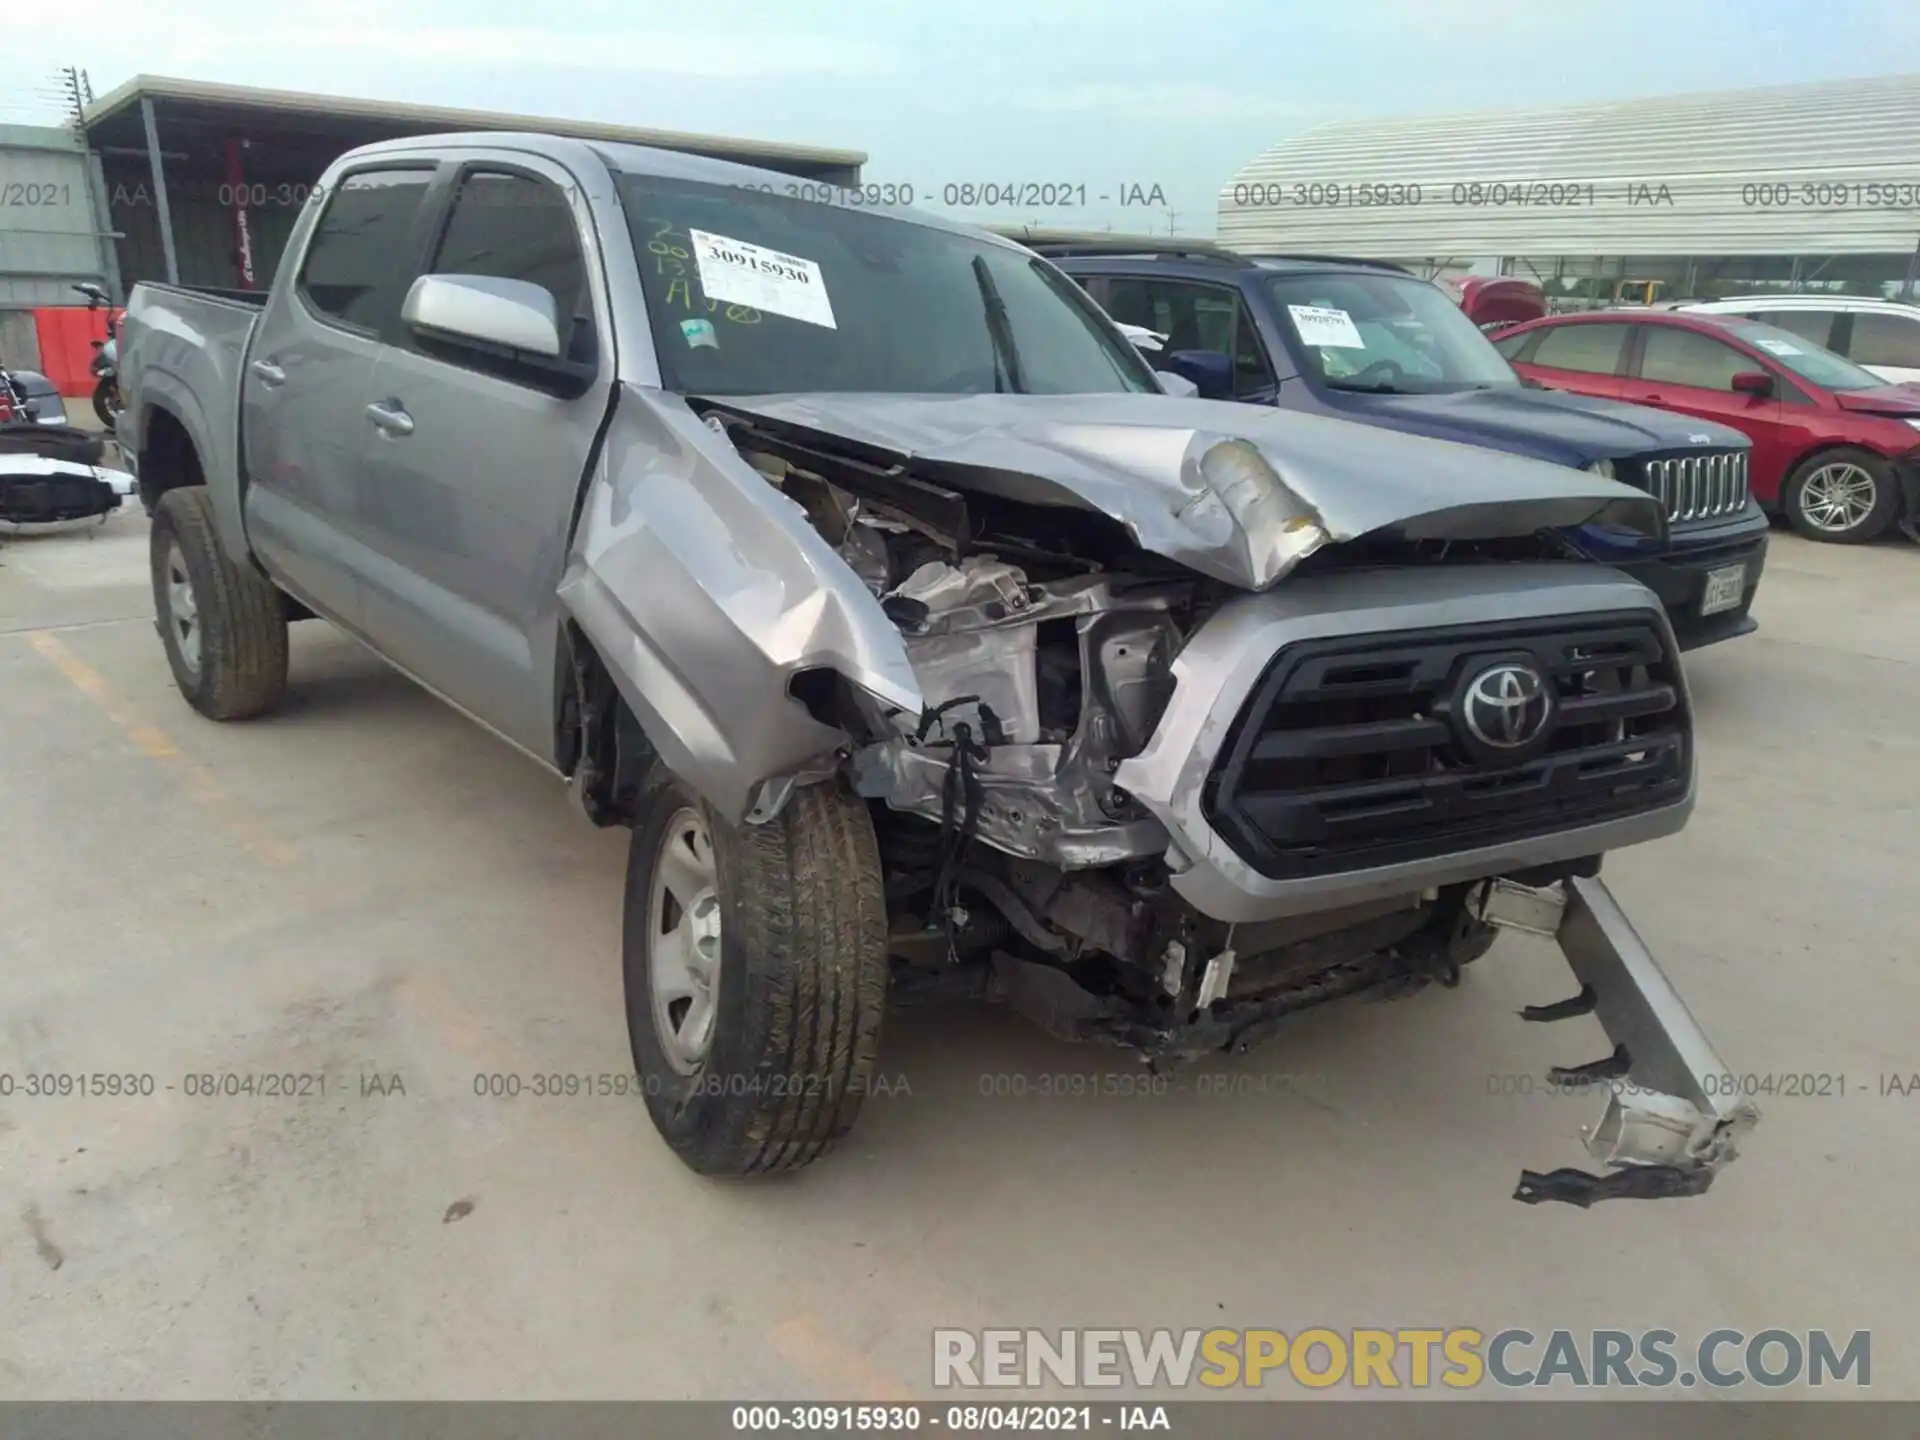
1752,382
1210,372
1176,384
512,316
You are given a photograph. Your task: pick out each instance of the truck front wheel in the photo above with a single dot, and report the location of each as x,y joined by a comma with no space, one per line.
756,975
222,625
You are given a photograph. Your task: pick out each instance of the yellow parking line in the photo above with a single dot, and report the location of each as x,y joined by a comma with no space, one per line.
156,744
806,1346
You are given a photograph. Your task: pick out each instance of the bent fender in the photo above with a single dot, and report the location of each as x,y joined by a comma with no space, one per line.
704,590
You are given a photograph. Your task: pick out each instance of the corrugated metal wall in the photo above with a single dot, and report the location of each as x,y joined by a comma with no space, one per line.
49,229
203,238
1679,175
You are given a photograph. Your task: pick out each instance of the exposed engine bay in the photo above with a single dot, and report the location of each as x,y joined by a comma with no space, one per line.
1017,869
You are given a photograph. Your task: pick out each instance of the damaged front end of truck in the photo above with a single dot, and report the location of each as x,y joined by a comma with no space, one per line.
1175,719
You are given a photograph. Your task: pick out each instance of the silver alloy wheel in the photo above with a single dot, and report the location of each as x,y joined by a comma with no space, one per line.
683,941
1838,497
183,611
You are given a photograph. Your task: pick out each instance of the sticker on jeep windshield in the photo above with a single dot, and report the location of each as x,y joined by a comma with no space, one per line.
1324,325
741,274
1778,347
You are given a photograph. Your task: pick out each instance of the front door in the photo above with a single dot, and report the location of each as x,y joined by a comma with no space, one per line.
472,472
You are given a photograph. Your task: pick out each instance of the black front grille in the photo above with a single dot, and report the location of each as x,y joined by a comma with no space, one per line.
1350,753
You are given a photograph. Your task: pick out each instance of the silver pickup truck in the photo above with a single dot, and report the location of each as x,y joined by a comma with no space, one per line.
928,643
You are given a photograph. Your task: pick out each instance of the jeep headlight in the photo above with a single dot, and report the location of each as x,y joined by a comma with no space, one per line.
1602,468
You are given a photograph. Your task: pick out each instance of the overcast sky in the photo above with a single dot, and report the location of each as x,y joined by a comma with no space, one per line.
1108,95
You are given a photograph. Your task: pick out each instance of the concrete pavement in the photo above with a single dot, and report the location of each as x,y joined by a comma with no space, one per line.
369,890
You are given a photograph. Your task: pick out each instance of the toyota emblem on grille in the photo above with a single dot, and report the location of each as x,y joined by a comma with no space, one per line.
1506,706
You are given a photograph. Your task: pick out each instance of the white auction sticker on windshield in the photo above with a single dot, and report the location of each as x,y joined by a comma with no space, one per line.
1778,347
1324,325
736,273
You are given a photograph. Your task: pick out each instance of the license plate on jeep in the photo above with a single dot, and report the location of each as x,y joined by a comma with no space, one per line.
1724,589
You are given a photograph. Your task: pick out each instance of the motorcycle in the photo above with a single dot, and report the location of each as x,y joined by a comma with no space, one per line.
106,359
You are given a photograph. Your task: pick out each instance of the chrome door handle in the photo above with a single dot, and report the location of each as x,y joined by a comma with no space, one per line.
268,373
388,416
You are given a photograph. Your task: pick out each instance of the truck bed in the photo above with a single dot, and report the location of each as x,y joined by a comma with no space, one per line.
182,351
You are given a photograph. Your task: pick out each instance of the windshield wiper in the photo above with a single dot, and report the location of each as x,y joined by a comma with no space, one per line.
1378,388
1006,357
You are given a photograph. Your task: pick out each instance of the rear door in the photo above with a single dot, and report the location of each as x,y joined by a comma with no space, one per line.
1582,358
306,378
471,496
1690,372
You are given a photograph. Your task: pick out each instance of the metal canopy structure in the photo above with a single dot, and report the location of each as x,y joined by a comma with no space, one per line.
204,180
1816,170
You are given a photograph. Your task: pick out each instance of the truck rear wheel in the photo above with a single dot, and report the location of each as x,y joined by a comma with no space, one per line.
755,962
221,623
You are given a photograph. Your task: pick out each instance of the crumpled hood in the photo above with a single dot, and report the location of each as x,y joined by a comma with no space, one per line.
1234,491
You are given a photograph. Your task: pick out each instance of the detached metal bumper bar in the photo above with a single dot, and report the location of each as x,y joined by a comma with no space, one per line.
1665,1132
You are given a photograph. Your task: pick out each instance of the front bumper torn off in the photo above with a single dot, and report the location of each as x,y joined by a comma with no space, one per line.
1666,1130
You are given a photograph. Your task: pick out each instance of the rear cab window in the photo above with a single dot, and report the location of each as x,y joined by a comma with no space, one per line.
362,246
749,292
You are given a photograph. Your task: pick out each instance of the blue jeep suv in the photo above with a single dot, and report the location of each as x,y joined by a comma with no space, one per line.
1367,341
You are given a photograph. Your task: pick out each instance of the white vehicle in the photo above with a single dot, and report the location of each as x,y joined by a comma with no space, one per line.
1882,336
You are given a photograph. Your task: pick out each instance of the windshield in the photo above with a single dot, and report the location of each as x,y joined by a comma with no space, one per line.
1389,334
757,294
1804,358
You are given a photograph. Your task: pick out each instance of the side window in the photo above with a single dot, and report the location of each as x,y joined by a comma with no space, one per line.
1672,356
1813,326
1195,317
354,260
514,227
1880,338
1592,349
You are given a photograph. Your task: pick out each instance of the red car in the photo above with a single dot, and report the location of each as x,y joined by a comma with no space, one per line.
1836,449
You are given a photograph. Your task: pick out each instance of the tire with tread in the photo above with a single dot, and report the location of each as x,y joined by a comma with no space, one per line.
1886,500
801,990
243,630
